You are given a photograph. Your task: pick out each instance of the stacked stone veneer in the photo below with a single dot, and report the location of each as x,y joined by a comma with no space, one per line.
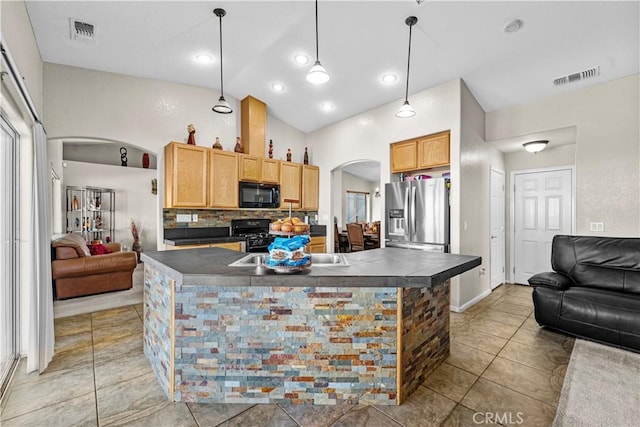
425,333
223,217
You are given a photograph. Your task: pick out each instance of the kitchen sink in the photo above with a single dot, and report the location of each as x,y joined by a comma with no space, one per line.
317,260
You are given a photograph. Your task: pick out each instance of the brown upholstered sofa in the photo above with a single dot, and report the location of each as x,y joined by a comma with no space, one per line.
76,272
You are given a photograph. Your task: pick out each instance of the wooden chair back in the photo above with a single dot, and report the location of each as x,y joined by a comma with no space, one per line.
356,237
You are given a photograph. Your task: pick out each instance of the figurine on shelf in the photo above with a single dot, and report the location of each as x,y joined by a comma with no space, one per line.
123,156
98,202
75,205
271,148
238,148
192,135
217,145
306,156
288,154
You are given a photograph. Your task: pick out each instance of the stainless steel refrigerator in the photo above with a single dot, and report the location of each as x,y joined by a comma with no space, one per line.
417,214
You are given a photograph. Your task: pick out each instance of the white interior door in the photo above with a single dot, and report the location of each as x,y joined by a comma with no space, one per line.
497,229
543,208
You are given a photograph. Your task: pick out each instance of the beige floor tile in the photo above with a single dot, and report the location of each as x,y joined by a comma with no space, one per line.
212,414
120,369
524,300
116,332
263,416
512,407
125,399
140,310
546,357
462,416
72,325
72,351
469,358
502,317
535,335
48,389
111,348
492,327
512,308
481,341
114,316
365,416
316,415
531,382
458,320
171,414
515,289
79,411
531,323
450,381
423,408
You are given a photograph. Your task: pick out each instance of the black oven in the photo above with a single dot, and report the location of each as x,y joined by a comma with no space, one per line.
256,195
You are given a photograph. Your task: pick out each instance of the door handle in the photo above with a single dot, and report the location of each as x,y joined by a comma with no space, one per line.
407,232
413,212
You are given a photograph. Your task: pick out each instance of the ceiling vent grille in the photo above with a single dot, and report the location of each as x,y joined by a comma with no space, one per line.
81,30
576,77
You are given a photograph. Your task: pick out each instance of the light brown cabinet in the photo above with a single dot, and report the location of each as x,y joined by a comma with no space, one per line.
234,246
249,168
317,245
253,121
421,153
223,181
310,187
290,174
270,171
186,174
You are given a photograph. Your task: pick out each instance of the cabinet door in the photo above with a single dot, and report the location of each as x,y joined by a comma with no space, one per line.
310,187
289,184
181,247
234,246
223,185
270,171
433,150
403,156
250,168
317,245
185,175
253,119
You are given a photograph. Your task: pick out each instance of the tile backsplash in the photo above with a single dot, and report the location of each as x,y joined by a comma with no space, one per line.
222,218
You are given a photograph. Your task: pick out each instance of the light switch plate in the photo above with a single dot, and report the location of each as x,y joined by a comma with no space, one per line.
596,226
194,217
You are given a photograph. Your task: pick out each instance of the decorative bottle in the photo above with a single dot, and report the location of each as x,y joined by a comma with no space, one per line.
306,156
74,204
145,160
238,148
217,144
288,154
271,149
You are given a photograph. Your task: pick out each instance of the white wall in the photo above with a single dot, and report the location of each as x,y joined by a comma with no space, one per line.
106,153
607,150
133,196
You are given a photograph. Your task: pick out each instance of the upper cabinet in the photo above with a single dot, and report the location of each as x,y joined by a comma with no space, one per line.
270,171
250,168
290,174
186,173
223,182
421,153
310,187
253,121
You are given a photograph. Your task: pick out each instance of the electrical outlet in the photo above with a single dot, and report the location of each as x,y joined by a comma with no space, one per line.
183,218
194,217
596,226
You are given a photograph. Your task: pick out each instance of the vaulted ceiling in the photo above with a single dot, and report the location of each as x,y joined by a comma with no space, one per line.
359,42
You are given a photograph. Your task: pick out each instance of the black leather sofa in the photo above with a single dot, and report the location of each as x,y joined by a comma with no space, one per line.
594,290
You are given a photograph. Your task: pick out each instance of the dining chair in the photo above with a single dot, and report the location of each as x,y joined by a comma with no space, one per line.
356,237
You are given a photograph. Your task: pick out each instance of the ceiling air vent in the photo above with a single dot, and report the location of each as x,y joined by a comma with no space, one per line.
81,30
591,72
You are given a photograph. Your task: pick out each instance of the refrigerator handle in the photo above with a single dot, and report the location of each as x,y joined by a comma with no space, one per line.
413,212
407,231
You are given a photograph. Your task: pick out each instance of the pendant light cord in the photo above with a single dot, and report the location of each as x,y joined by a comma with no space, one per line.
406,93
317,55
221,77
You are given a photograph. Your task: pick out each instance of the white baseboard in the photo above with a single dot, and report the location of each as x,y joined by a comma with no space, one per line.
466,305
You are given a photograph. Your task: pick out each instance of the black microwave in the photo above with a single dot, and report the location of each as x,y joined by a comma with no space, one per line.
257,195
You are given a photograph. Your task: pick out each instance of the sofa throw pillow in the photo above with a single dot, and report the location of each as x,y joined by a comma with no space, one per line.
99,249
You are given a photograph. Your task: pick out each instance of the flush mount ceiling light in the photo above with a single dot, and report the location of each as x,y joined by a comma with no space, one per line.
389,78
277,87
513,26
535,146
317,75
204,58
301,59
406,110
222,106
327,106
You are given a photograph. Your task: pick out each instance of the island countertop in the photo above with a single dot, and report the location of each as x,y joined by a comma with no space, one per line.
372,268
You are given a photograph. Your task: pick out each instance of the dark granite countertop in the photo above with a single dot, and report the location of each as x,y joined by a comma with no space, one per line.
386,267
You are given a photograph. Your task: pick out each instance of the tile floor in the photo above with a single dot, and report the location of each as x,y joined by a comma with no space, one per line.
501,364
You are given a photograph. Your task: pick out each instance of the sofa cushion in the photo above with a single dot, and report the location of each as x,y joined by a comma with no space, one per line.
99,249
73,241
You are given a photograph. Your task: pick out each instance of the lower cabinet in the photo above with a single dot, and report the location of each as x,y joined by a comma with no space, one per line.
234,246
317,245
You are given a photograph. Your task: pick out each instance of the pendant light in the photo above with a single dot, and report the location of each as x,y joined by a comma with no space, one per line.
406,110
317,75
222,106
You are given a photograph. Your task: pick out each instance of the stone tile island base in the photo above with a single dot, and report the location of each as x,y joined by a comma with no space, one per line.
300,345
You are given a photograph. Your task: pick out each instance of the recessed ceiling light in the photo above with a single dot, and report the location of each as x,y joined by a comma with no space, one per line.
327,106
204,58
389,78
277,87
513,26
301,59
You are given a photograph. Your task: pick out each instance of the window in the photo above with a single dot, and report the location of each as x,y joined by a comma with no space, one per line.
357,206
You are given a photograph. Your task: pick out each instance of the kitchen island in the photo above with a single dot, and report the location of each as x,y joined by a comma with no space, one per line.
367,332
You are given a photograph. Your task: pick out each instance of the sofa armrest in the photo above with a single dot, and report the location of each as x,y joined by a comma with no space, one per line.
114,247
551,279
97,264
